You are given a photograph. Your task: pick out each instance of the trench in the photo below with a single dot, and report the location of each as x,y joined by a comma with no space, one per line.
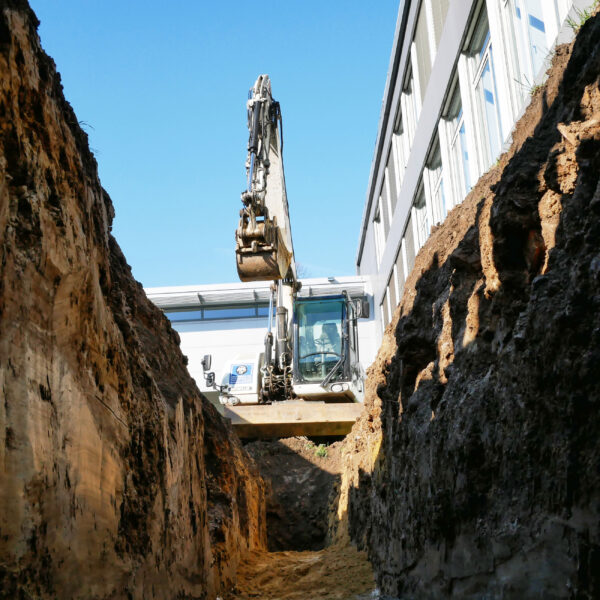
304,558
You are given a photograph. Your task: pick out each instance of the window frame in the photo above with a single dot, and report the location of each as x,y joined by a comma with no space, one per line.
477,61
435,184
410,108
199,313
379,231
421,221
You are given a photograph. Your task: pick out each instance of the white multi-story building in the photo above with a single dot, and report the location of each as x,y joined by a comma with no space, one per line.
461,74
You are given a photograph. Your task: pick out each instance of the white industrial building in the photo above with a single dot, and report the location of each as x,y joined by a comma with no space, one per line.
461,74
230,320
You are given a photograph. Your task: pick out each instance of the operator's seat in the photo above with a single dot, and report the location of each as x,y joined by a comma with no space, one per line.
330,338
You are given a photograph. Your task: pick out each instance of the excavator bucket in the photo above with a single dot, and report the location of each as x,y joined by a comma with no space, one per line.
257,266
265,262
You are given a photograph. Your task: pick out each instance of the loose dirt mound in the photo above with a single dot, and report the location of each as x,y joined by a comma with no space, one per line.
475,472
300,476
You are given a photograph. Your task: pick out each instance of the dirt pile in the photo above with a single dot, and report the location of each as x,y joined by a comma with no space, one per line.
476,472
301,476
117,479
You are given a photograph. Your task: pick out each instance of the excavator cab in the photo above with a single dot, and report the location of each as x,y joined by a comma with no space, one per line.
326,350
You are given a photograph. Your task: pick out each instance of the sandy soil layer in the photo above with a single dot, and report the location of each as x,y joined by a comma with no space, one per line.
118,479
339,572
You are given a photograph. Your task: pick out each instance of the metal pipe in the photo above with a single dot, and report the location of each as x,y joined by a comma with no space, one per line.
271,310
253,141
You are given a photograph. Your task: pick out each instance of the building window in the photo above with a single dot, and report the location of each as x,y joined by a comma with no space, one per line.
391,293
529,19
484,83
421,219
391,181
525,23
385,310
435,184
562,8
456,134
214,313
409,108
409,245
399,150
381,223
439,10
384,207
386,203
421,50
400,272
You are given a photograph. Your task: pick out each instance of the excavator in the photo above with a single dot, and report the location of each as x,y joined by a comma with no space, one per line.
308,380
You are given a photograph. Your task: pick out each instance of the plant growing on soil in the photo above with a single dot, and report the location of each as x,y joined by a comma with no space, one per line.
321,451
532,88
582,17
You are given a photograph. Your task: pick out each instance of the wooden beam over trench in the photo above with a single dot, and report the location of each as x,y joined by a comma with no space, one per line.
297,417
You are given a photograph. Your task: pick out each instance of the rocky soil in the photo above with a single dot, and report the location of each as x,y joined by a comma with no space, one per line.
117,478
476,472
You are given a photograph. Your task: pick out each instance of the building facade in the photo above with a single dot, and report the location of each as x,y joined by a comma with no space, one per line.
231,320
461,74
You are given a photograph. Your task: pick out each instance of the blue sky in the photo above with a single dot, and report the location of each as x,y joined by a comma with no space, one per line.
161,89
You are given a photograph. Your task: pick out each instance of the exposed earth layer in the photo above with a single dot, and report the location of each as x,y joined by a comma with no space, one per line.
476,470
117,478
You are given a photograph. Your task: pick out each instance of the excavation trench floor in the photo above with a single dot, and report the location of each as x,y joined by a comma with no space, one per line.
302,476
338,572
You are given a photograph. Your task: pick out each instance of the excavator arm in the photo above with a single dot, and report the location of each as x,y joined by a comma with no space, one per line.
264,252
264,249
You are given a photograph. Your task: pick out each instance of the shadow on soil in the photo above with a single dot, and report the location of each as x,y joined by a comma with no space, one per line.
486,447
301,474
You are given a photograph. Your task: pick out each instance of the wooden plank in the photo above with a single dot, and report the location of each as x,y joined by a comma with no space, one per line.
298,417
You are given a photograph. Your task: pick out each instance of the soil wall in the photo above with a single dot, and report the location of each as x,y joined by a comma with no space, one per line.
476,472
301,478
117,478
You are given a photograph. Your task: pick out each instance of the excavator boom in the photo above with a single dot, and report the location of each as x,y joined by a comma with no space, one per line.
264,250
